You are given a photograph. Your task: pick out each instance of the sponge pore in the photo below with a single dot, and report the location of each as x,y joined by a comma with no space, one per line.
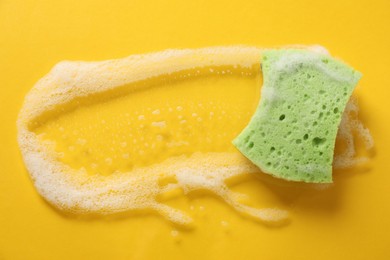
293,131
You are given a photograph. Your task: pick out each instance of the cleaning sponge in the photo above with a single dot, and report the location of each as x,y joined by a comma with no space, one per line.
293,132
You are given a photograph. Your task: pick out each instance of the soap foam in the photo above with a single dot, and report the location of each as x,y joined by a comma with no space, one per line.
350,125
78,192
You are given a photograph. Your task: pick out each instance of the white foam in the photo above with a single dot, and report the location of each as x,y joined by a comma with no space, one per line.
291,62
78,192
349,125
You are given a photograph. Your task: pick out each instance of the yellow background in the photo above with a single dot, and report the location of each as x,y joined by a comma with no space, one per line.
351,221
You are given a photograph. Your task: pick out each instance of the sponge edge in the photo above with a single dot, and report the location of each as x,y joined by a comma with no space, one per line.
292,134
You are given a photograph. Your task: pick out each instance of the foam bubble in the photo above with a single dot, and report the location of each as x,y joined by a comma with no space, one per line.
156,112
160,124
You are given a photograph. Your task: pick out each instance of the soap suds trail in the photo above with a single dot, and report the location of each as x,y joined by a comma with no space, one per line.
351,125
78,192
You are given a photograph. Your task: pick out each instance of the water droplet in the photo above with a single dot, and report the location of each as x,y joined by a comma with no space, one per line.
81,141
174,233
224,223
108,161
176,236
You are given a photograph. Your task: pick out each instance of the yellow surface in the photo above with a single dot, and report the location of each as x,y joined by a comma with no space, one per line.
348,221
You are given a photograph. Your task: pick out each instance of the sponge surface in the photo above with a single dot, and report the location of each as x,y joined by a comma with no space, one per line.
292,134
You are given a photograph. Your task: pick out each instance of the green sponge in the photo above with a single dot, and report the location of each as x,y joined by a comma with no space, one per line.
293,131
